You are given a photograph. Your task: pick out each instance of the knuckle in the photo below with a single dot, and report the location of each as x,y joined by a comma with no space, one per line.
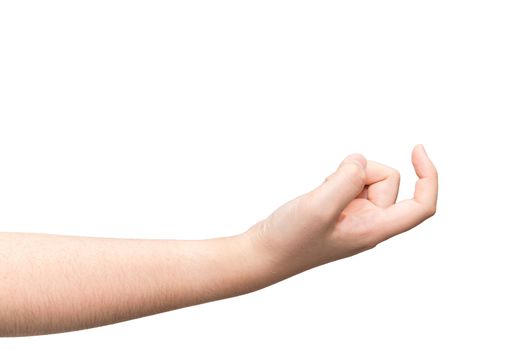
430,210
395,174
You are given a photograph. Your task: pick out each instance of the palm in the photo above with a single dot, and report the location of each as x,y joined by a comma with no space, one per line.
359,216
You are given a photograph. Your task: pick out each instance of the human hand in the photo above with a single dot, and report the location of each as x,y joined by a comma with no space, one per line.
352,211
120,279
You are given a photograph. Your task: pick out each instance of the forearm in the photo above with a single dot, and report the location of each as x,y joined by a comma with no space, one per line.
54,283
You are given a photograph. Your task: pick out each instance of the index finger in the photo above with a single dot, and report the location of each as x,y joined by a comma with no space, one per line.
407,214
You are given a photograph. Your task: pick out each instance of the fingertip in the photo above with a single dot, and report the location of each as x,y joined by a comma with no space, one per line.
422,148
418,150
426,188
421,162
358,158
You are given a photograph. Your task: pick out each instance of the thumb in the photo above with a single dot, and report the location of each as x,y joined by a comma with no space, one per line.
342,186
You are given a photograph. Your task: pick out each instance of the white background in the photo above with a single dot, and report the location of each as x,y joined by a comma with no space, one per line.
195,119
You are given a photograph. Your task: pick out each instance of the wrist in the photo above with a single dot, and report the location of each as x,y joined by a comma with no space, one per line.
268,263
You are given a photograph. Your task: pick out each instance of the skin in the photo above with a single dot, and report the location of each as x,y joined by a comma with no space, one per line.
56,283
